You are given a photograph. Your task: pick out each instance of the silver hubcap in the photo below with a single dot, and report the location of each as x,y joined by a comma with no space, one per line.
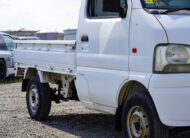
137,123
33,98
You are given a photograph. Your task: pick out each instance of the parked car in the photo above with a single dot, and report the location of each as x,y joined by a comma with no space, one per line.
28,38
6,56
15,37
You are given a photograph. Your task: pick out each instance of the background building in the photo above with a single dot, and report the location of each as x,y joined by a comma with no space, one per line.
70,34
22,32
50,35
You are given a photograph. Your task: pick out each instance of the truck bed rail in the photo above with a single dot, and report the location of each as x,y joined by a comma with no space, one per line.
51,56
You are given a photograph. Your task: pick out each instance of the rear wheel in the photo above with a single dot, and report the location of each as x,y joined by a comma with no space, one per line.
140,119
38,99
3,70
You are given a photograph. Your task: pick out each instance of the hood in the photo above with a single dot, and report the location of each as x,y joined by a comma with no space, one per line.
177,27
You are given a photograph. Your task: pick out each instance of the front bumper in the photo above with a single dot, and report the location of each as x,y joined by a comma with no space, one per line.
171,95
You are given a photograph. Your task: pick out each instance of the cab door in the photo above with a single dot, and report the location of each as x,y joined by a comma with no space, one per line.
103,49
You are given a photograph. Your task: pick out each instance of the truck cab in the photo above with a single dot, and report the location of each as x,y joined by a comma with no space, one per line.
6,56
148,45
131,59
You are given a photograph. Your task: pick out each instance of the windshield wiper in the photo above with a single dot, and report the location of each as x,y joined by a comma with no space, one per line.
174,10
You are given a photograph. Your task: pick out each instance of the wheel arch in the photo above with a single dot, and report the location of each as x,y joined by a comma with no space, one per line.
30,72
128,89
3,59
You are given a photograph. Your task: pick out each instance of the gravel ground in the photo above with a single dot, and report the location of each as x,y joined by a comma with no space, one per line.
68,119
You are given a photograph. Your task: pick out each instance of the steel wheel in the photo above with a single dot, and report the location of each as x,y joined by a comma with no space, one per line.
34,98
137,123
38,98
140,118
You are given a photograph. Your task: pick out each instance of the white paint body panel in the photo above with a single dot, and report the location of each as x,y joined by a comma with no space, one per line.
177,27
148,33
104,59
171,96
50,56
104,64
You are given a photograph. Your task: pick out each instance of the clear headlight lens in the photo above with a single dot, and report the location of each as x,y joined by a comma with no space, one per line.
172,58
177,55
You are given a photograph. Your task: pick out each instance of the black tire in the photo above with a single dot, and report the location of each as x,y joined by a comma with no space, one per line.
42,107
3,70
180,132
140,108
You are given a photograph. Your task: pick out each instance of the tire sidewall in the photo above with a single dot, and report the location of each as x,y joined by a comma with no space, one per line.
3,76
137,101
34,81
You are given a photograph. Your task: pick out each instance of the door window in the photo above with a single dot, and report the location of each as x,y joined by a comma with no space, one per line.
2,44
95,9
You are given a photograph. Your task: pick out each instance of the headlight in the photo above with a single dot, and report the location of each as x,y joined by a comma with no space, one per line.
172,58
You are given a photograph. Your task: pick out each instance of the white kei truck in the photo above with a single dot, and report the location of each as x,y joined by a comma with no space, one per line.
131,59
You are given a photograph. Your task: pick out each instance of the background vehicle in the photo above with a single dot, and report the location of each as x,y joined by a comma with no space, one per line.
15,37
131,59
6,56
28,38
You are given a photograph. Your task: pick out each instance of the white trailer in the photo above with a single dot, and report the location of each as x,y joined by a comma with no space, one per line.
131,58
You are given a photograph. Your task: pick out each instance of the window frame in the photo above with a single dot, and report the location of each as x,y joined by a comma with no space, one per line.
99,17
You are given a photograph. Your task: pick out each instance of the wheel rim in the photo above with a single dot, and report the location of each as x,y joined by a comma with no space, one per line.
137,123
33,98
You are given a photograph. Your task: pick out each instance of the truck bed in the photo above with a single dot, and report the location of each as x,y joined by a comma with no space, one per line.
51,56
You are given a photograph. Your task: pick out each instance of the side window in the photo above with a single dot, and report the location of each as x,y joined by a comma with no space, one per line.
2,44
95,9
9,42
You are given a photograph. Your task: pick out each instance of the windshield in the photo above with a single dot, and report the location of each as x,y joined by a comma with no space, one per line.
166,4
9,42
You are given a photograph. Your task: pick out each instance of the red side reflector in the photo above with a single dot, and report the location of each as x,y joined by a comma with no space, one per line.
134,50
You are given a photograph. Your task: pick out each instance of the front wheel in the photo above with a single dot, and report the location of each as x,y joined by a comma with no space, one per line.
140,118
38,99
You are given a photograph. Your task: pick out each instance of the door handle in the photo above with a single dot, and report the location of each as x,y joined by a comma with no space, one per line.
84,38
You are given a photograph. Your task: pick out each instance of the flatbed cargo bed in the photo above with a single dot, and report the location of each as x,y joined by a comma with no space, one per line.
50,56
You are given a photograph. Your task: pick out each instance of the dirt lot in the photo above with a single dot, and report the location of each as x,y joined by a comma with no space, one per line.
68,119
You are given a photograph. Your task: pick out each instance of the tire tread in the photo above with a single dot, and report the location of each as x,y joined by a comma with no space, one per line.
45,99
143,99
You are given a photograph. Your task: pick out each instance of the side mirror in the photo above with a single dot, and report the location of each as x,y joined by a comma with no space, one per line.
117,6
